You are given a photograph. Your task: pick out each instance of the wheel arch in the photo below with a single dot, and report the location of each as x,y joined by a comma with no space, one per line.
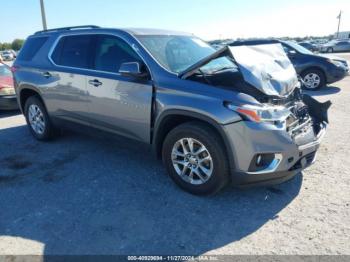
318,68
173,118
26,92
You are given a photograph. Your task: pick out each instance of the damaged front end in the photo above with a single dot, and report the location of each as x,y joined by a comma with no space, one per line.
265,74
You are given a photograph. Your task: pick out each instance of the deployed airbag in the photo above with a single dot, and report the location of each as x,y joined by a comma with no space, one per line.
267,68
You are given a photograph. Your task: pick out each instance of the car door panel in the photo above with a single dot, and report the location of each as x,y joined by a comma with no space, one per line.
121,105
67,97
118,103
68,94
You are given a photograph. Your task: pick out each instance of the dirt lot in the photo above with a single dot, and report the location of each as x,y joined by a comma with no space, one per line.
85,195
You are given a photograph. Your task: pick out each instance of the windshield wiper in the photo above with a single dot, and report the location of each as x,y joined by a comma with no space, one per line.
222,69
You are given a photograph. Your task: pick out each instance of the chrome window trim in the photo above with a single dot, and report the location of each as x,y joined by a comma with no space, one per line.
57,40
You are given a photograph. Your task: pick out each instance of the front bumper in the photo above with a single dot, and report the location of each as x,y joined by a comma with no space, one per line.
337,73
248,139
8,102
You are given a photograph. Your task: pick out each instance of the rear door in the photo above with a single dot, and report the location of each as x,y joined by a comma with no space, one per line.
118,103
67,97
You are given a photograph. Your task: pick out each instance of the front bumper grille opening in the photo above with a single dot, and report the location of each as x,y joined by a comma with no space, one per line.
309,160
261,162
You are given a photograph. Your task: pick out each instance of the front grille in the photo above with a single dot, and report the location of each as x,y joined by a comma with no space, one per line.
299,122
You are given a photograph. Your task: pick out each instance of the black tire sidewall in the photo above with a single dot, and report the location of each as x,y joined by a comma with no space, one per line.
319,73
33,100
208,138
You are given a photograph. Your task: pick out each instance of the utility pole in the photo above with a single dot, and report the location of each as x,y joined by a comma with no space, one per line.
339,18
43,16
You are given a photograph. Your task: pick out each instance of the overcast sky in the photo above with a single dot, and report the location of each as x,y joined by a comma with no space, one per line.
209,19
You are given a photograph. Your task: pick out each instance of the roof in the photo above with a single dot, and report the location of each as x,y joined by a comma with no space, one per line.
132,31
152,31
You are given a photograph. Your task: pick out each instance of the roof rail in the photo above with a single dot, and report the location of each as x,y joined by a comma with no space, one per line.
67,28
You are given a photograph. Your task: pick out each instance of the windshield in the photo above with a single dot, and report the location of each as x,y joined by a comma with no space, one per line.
177,53
4,71
299,48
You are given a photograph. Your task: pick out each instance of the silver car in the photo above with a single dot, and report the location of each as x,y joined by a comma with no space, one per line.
235,115
336,46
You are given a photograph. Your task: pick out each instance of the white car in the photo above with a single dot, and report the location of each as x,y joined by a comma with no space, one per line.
7,56
336,46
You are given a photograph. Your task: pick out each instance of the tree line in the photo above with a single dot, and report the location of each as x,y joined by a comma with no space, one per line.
15,45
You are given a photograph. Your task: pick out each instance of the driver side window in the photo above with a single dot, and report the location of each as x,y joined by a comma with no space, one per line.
111,52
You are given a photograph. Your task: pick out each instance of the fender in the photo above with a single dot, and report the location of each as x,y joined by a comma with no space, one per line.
25,88
193,115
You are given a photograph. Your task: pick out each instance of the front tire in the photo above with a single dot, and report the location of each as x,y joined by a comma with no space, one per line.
330,50
38,119
195,159
314,79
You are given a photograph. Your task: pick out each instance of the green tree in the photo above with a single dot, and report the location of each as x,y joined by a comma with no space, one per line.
17,44
5,46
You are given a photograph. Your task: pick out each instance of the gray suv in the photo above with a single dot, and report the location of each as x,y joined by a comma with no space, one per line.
193,104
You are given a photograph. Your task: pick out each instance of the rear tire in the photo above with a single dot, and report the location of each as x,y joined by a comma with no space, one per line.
205,173
314,79
38,119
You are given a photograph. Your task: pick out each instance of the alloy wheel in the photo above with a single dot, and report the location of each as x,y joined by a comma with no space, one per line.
192,161
312,81
36,119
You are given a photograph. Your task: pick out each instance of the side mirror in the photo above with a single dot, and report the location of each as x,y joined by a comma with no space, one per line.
132,69
292,53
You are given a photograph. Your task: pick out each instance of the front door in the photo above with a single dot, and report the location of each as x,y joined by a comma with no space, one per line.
118,103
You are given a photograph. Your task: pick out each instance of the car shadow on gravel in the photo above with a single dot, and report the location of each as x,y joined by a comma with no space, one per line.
327,90
84,195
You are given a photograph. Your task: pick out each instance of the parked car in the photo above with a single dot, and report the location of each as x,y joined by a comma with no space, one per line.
8,100
336,46
315,70
171,90
7,55
14,53
309,46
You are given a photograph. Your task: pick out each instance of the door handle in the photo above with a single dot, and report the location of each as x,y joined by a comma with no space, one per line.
47,75
95,83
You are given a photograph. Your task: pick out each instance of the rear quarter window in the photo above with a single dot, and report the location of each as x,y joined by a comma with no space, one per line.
31,48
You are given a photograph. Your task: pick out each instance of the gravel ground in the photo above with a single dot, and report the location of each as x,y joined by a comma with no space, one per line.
86,195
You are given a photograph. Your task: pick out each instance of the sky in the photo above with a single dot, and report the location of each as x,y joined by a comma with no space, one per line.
208,19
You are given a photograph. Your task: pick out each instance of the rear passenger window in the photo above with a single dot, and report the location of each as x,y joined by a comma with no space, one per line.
73,51
111,52
31,48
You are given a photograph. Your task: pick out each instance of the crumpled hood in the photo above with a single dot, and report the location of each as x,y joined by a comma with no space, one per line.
265,67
